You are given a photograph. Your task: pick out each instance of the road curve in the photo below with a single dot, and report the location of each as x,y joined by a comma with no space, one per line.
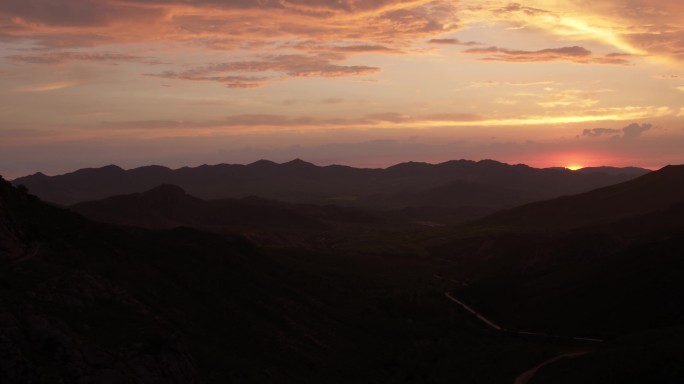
499,328
526,376
474,312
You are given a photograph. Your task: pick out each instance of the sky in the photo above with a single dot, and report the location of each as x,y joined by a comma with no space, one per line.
370,83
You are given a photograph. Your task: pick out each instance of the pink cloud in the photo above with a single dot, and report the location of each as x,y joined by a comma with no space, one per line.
295,65
63,57
575,54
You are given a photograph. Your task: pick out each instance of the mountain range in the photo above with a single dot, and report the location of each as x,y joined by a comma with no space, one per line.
162,285
459,183
604,264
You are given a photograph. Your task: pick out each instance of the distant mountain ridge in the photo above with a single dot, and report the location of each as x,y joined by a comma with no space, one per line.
297,181
535,264
168,206
657,190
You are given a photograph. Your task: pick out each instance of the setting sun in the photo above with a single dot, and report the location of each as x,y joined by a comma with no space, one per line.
574,167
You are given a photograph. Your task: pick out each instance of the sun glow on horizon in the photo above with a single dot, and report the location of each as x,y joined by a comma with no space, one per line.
574,167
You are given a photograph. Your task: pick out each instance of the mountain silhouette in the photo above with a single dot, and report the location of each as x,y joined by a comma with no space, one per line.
168,206
82,301
297,181
604,262
266,221
654,191
173,296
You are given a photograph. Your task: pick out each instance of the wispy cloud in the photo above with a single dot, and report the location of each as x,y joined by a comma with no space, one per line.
294,65
64,57
638,27
393,120
48,87
575,54
452,41
87,22
494,83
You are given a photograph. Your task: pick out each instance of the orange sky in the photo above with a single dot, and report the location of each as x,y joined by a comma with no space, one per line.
367,83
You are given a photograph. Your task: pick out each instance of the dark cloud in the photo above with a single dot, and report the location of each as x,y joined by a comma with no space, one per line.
635,130
629,132
575,54
85,13
595,132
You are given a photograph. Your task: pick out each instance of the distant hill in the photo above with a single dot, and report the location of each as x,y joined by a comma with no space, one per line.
458,183
627,171
604,262
269,222
654,191
86,302
168,206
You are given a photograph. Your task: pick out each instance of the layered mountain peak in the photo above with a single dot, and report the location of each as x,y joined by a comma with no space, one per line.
299,163
653,191
262,163
298,181
166,190
671,171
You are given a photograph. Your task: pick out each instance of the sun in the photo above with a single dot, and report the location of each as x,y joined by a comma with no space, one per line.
574,167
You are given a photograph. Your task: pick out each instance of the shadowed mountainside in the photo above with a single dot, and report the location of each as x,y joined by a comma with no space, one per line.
168,206
268,221
486,183
625,239
651,192
87,302
604,264
81,300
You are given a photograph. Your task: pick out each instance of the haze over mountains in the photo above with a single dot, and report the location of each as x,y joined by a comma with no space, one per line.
457,183
260,290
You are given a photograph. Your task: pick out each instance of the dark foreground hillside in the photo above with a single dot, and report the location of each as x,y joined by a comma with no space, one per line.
606,264
597,298
82,302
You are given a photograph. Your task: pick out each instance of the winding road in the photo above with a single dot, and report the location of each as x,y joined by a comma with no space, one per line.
526,376
475,313
499,328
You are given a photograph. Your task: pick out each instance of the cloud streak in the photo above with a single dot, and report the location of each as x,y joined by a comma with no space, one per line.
574,54
295,65
48,87
452,41
392,120
66,57
636,27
